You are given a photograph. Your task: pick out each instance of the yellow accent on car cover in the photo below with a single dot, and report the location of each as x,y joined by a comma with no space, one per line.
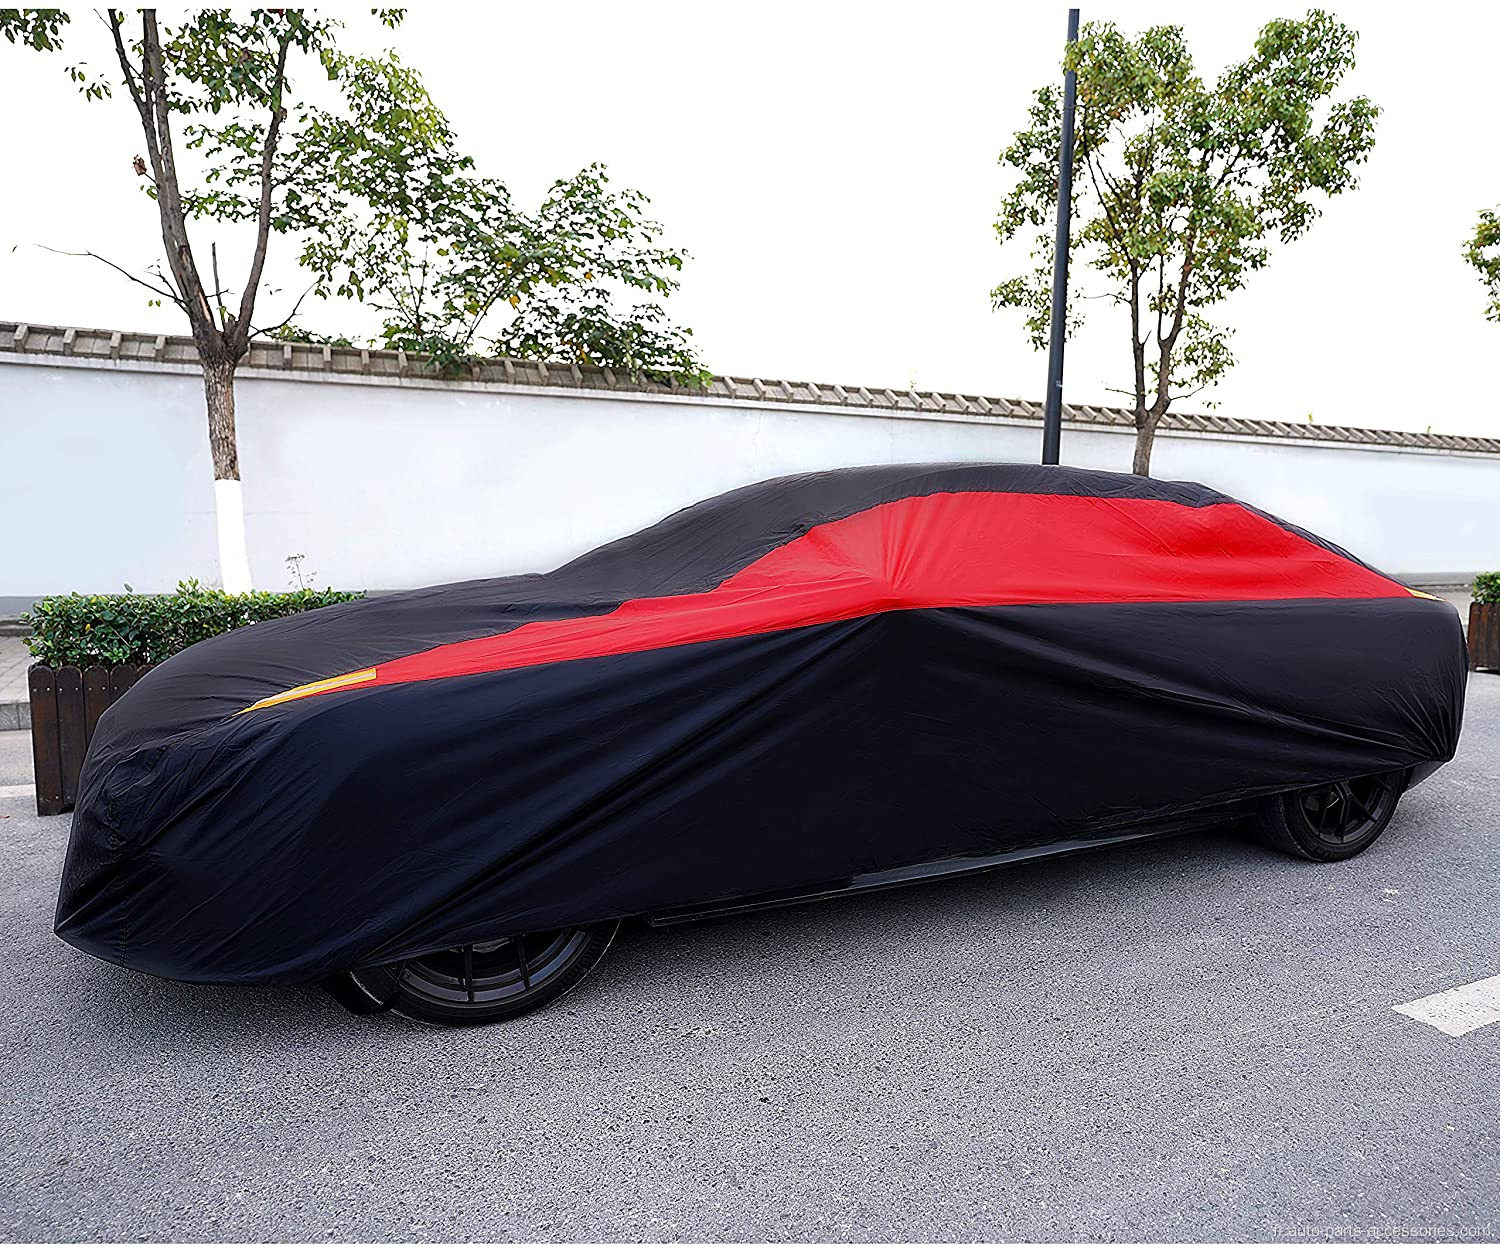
313,687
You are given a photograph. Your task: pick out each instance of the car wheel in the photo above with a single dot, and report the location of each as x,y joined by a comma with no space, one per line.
483,982
1331,822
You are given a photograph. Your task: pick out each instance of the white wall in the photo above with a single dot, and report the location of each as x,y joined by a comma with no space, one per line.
107,478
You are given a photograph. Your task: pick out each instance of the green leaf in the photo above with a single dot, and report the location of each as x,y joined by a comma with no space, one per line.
134,628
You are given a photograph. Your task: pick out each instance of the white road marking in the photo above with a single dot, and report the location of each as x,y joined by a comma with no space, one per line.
1457,1011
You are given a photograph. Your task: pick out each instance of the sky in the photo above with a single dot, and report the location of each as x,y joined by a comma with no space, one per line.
831,169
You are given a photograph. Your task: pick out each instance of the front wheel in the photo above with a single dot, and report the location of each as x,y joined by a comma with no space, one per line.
1331,822
483,982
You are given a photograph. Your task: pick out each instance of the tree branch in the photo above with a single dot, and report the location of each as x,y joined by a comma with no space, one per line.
213,253
1094,175
1189,241
286,320
169,194
1188,394
240,332
157,290
1137,343
115,21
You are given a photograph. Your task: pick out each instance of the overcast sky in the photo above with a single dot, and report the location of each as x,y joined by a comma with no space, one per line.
832,170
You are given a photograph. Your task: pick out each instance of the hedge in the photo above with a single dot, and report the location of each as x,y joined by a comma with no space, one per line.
112,629
1487,587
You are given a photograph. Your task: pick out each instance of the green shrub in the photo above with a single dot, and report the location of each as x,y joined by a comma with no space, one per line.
114,629
1487,587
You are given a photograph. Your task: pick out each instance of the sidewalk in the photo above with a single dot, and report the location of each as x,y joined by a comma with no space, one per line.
15,702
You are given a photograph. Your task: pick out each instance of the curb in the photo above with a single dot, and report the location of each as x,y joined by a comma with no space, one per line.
15,716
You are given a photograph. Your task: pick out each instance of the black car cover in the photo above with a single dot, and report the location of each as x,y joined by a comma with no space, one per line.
784,687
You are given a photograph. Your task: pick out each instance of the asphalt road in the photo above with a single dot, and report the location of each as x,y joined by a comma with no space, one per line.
1191,1039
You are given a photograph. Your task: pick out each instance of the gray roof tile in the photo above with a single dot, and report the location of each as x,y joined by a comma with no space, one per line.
19,337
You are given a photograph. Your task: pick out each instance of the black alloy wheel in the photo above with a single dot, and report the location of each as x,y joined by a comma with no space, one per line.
483,982
1331,822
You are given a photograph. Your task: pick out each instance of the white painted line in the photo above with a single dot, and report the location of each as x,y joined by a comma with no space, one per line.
1457,1011
17,791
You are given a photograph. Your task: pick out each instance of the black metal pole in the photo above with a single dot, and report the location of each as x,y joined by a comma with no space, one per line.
1052,422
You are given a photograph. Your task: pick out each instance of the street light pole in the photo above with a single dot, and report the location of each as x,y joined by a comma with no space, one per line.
1052,422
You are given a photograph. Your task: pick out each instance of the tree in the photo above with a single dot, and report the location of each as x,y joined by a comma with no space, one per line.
224,82
452,264
1483,252
1183,186
389,211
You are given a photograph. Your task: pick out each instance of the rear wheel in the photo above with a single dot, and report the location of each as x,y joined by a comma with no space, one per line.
1331,822
486,981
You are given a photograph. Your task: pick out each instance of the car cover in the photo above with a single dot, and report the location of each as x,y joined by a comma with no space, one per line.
781,688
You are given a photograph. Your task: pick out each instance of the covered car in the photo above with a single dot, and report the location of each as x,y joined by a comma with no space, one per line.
447,798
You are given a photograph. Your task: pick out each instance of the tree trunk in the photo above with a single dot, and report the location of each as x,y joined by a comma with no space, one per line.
220,346
229,503
1145,438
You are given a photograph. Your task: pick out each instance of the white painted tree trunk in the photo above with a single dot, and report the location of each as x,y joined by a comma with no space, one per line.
234,555
229,502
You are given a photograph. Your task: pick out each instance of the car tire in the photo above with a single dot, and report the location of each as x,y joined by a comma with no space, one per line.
480,983
1330,823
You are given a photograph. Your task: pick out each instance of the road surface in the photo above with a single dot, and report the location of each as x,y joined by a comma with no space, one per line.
1189,1039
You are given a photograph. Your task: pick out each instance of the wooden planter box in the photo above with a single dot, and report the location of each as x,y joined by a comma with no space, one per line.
66,704
1484,635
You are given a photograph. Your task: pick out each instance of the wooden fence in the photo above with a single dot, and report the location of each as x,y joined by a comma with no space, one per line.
66,704
1484,635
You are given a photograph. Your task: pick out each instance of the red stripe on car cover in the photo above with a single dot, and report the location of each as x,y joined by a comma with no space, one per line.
977,549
